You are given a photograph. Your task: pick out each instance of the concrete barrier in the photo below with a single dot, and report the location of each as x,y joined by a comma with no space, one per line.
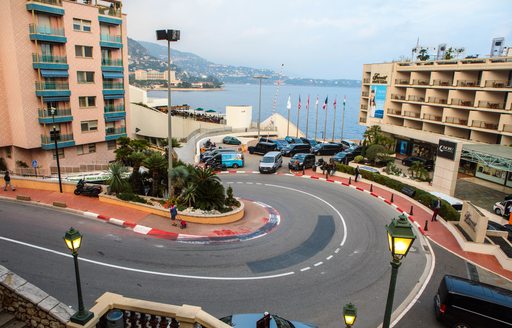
21,197
60,204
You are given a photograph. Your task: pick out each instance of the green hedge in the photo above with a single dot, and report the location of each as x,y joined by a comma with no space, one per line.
425,198
131,197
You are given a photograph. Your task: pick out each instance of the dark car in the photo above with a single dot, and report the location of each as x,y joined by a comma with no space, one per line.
427,163
249,320
311,142
280,143
327,149
354,150
491,225
293,140
347,144
301,160
343,157
210,154
296,148
231,141
262,148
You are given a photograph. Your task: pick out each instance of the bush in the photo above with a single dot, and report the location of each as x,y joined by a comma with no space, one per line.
392,169
358,159
230,200
374,151
131,197
345,169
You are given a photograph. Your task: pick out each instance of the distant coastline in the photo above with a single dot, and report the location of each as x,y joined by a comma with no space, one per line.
184,89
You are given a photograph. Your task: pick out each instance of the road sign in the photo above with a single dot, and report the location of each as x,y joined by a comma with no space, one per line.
34,163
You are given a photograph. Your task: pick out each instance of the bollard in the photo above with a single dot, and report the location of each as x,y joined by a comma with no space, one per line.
411,211
426,226
326,174
392,198
349,180
371,187
303,169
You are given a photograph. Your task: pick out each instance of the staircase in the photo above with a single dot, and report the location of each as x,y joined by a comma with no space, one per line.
7,320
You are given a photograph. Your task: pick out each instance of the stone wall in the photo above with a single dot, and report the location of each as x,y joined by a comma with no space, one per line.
30,304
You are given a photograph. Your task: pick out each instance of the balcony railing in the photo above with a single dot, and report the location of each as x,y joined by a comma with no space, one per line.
43,113
112,131
364,94
46,30
436,100
402,81
432,117
49,2
491,104
497,84
468,83
397,97
113,109
113,85
484,125
110,38
461,102
416,98
411,114
442,83
37,58
420,82
393,111
111,62
364,107
455,120
52,85
507,128
362,119
366,80
60,138
110,11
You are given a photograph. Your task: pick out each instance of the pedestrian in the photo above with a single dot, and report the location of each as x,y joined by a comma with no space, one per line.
356,173
436,206
174,211
7,179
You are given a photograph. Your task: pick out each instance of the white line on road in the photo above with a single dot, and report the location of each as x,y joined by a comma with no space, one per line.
305,269
329,257
318,263
336,250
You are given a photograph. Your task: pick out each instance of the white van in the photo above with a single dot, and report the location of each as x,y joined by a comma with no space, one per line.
270,162
454,202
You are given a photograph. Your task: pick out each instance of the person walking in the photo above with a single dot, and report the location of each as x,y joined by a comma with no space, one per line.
174,212
356,173
7,179
436,206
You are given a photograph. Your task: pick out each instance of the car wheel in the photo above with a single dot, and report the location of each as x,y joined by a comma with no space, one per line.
498,211
235,166
461,325
251,151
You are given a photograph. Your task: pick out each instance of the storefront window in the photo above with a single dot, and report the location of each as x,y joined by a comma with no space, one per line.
491,174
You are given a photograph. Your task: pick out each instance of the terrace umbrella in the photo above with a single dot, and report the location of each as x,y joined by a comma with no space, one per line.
211,111
199,109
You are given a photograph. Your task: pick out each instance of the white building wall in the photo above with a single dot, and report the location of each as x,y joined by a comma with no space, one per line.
138,95
239,117
281,123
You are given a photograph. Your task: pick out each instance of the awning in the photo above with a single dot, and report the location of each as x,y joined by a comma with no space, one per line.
113,75
495,156
55,98
113,96
54,73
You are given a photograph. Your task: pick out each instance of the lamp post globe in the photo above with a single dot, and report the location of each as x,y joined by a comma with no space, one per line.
349,314
73,239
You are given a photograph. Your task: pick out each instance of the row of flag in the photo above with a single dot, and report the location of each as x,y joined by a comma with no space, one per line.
324,106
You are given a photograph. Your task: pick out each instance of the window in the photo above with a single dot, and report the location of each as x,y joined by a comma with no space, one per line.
80,150
61,153
92,148
111,145
85,77
84,102
87,126
83,51
81,25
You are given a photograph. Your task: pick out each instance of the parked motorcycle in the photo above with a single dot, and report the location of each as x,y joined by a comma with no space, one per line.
87,190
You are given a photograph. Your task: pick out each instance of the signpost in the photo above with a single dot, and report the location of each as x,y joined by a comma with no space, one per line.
34,165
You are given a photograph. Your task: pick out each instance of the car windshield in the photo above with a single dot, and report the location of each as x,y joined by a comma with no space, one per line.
267,159
281,142
340,154
282,323
298,156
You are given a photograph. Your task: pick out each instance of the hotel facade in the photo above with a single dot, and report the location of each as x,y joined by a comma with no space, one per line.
63,77
457,112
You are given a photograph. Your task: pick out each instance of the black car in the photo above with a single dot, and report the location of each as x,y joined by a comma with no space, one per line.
343,157
327,149
280,143
301,160
347,144
262,148
427,163
491,225
354,150
296,148
311,142
293,140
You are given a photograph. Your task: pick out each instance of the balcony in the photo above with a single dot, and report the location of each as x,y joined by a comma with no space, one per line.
394,111
114,113
468,83
52,89
46,6
416,98
420,82
432,117
61,116
63,140
442,83
484,125
461,102
114,133
491,104
111,41
49,62
113,88
497,84
364,107
436,100
402,81
411,114
455,120
366,81
110,15
362,120
47,33
506,128
364,94
397,97
112,65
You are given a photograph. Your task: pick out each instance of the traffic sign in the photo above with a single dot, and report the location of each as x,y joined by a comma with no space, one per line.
34,163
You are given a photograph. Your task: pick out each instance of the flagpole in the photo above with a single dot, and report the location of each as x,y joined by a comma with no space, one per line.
343,117
289,106
325,122
298,118
307,117
334,120
316,121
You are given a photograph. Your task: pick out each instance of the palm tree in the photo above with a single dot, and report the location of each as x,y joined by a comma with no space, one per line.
179,177
136,159
188,195
157,164
371,135
210,191
116,181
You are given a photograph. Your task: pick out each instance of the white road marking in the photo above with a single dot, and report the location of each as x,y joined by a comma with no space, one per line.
259,183
142,229
336,250
305,269
156,273
250,183
239,182
329,257
318,263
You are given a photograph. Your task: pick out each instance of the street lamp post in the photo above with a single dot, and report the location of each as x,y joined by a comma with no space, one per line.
259,77
349,315
52,112
73,240
400,239
169,35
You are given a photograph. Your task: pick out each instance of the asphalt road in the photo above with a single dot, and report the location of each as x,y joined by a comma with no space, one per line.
306,269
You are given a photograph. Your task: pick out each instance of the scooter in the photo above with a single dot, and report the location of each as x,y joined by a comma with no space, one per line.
87,190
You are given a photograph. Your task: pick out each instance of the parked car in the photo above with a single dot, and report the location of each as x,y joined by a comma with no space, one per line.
427,163
355,150
226,160
249,320
296,148
270,162
347,144
301,160
502,208
231,141
464,303
311,142
343,157
327,149
454,202
209,154
292,140
280,143
262,148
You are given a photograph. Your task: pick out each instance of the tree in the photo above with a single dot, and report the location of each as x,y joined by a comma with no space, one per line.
423,56
374,151
116,181
210,191
124,150
157,166
449,53
136,159
179,177
371,135
188,195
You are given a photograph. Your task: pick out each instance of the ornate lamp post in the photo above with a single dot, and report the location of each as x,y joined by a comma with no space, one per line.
400,238
73,240
349,314
52,112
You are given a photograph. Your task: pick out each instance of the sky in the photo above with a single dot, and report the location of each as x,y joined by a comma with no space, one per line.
323,39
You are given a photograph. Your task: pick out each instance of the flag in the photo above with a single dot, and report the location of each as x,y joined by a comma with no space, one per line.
307,105
325,103
289,103
344,100
334,103
316,103
298,105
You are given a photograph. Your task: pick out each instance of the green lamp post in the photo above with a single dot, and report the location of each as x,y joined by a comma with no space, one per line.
349,314
400,239
73,240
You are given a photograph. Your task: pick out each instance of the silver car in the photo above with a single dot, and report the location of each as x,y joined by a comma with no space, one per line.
270,162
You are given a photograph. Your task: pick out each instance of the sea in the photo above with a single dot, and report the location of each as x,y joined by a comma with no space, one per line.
248,94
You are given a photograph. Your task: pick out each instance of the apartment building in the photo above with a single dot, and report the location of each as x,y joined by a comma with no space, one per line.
143,75
62,77
464,105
